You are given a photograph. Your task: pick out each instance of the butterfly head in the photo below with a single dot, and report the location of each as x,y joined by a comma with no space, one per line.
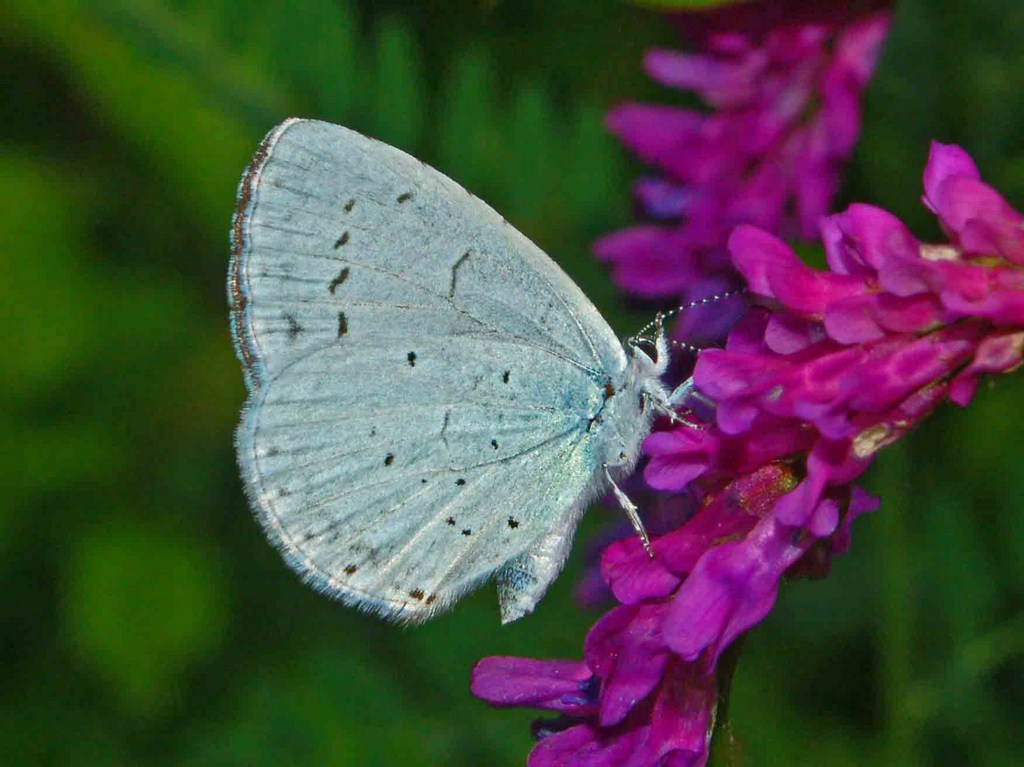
648,356
649,352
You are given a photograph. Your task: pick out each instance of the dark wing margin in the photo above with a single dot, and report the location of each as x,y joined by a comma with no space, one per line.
241,245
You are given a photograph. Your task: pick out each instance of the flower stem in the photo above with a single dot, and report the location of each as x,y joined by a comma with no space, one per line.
725,746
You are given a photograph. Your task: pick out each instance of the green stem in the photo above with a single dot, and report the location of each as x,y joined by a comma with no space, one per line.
725,746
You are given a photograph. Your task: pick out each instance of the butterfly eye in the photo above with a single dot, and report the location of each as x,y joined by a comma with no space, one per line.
648,347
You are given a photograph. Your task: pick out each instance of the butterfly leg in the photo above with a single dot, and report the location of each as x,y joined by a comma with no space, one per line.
631,511
686,397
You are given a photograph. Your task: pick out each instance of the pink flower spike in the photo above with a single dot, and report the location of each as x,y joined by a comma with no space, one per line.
784,85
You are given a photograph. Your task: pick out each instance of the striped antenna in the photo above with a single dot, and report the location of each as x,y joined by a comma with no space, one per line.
660,318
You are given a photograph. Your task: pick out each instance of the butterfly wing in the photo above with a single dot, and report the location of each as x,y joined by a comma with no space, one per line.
421,378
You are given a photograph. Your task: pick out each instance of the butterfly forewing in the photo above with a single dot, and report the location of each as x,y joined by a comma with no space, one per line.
421,378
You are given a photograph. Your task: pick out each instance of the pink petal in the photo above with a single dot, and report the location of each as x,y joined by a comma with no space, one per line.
774,271
1004,307
862,238
945,161
860,503
787,334
680,733
731,589
980,220
668,137
722,82
633,576
677,457
585,746
650,261
508,681
626,650
852,320
995,354
663,199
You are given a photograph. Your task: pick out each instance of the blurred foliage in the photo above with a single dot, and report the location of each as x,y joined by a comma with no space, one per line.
685,5
146,620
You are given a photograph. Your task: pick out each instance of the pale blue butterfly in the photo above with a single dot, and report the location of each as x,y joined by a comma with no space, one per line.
432,401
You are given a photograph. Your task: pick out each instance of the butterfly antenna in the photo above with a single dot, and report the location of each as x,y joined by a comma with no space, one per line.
673,344
660,317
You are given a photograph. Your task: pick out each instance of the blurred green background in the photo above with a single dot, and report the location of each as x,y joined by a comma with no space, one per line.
145,619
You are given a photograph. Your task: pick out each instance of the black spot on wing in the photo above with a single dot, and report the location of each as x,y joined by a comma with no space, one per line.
349,205
341,241
389,459
411,357
342,324
504,377
342,276
404,197
513,523
294,328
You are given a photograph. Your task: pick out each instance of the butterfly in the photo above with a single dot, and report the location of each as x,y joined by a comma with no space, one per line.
432,401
